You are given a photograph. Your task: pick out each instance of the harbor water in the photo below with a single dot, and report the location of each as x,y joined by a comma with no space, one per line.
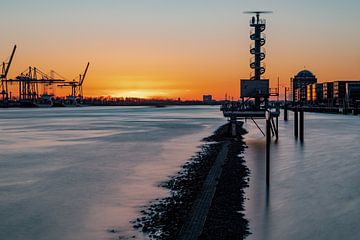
84,173
315,187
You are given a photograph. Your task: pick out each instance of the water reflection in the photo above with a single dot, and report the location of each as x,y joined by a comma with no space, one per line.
74,173
313,191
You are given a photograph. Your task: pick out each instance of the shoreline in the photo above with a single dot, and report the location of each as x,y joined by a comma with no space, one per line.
226,217
165,218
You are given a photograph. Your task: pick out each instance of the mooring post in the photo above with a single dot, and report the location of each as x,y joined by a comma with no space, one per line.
296,123
277,121
285,107
268,139
301,125
277,128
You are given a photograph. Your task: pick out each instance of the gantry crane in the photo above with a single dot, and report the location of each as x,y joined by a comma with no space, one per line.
76,86
28,82
3,76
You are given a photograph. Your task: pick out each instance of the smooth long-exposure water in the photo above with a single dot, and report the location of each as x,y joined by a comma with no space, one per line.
315,187
75,173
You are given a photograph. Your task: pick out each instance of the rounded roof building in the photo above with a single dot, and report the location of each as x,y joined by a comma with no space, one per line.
299,84
305,74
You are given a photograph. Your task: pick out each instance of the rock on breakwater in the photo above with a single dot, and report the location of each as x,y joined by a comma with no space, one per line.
164,218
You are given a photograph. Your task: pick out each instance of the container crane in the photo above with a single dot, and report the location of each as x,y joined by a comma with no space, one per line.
76,86
3,76
29,81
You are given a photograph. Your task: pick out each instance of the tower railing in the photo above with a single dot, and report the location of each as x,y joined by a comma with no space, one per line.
253,50
252,35
256,49
261,21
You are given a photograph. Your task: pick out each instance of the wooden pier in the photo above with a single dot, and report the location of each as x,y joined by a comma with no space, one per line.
235,111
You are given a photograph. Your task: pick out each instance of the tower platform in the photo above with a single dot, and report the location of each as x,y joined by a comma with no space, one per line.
261,114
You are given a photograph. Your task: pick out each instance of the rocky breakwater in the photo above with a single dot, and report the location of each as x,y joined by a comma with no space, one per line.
164,218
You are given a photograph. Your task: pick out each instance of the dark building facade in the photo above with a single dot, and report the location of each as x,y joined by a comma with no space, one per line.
328,90
340,89
332,94
319,92
343,87
310,92
353,91
314,93
299,85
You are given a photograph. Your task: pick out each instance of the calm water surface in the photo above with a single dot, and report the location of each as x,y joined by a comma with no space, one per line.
74,173
315,187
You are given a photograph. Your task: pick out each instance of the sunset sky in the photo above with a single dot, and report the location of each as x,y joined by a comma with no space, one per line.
171,49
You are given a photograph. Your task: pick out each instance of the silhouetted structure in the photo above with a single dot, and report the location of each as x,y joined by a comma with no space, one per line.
76,88
207,99
353,91
314,93
328,89
3,77
299,85
255,87
29,84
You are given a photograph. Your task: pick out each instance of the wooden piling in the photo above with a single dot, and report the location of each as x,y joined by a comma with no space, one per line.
277,128
268,139
285,107
296,123
301,125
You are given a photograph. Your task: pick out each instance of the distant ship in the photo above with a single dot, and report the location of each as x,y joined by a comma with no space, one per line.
159,105
46,100
73,101
49,100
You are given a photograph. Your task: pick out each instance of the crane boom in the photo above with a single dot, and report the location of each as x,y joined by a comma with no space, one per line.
8,65
83,76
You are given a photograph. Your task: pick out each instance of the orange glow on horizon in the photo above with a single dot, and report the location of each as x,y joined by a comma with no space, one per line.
178,52
145,94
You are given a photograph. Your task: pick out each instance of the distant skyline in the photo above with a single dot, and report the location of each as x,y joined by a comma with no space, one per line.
171,49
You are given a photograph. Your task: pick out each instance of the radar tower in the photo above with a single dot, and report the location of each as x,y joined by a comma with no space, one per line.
258,88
